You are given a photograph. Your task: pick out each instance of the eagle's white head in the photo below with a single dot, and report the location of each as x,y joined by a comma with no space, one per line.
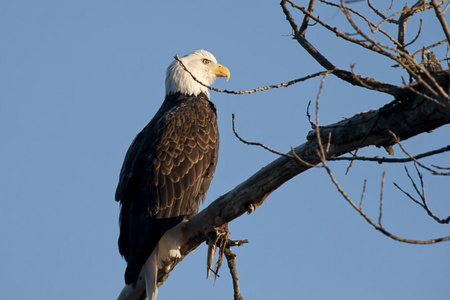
203,65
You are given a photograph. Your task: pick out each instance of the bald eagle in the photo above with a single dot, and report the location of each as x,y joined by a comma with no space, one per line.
168,168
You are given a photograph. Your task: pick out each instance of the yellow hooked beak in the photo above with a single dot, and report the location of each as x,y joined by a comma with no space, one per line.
220,71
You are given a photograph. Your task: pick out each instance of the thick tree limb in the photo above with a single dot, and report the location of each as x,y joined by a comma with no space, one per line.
410,114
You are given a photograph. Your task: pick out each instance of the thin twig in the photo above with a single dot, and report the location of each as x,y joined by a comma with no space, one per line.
256,143
381,14
293,155
397,140
394,160
440,167
380,215
302,160
446,7
421,194
362,194
417,35
259,89
351,162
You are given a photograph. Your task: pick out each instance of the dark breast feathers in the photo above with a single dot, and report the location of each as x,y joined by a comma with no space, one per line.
166,173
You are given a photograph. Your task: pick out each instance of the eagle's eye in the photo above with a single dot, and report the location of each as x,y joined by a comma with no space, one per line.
205,61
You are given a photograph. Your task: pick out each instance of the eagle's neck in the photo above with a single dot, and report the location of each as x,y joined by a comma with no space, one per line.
172,101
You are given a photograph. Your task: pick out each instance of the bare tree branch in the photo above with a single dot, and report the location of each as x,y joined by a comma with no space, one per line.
305,22
441,19
231,260
373,28
405,60
421,194
394,160
256,143
434,172
381,14
380,215
344,75
322,154
379,227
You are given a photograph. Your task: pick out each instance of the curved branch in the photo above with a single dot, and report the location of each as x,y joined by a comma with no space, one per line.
441,19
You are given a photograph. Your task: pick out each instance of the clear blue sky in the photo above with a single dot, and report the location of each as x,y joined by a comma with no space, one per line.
79,79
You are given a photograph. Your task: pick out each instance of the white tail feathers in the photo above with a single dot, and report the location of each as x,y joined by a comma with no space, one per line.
150,269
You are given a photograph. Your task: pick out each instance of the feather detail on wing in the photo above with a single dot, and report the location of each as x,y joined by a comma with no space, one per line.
166,174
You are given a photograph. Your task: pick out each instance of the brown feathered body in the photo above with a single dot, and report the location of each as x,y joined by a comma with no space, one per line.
166,173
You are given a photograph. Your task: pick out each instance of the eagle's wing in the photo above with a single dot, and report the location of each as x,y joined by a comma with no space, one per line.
166,173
